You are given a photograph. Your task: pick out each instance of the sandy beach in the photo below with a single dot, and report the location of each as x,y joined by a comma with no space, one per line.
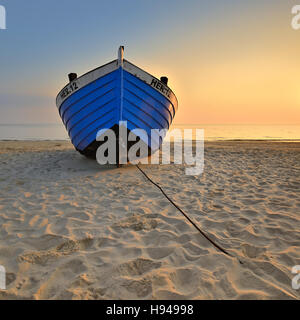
71,229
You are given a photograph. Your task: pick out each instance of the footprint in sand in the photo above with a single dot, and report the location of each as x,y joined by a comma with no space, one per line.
159,253
136,223
21,284
137,267
184,279
66,248
252,251
76,266
142,288
72,246
10,278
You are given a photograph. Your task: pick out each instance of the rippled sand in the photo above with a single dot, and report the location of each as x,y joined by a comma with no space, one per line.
70,229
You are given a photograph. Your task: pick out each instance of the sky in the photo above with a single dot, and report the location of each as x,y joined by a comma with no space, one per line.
228,61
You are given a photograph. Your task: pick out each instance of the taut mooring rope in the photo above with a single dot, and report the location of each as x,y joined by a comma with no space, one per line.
185,215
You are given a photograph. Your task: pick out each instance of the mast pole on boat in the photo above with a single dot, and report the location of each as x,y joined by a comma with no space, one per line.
121,56
119,139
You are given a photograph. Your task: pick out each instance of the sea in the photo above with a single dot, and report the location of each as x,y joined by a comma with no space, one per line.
211,132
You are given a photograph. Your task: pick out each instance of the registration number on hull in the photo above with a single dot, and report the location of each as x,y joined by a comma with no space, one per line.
69,89
159,86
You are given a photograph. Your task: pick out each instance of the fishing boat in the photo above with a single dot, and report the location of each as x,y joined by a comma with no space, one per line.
117,92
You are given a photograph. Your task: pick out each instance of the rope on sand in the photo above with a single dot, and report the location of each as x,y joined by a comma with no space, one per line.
185,215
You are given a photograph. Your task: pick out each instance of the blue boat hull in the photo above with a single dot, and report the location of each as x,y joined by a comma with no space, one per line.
118,95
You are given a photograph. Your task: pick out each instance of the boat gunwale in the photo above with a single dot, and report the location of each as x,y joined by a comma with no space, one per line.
154,78
111,62
83,75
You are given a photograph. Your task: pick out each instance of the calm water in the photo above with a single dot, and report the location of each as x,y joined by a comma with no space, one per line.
211,132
